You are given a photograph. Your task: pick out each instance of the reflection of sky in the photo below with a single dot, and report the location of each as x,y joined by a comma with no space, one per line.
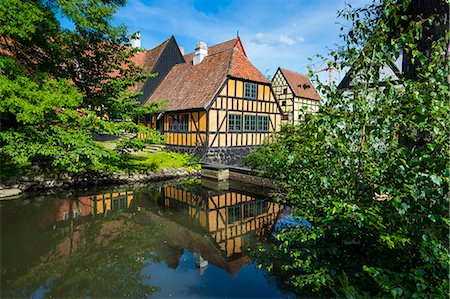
185,281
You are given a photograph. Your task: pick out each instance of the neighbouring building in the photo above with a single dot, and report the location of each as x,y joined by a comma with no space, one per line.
295,94
393,71
218,105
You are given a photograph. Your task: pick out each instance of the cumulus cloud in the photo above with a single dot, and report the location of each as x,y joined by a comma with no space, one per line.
275,40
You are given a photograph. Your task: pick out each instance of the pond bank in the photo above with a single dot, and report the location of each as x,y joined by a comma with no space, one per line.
14,188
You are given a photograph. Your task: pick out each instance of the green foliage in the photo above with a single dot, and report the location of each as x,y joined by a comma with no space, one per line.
370,170
58,87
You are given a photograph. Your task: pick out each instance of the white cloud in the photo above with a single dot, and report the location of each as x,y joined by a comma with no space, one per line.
274,40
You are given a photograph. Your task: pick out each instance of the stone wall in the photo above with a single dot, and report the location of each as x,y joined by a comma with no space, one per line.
220,155
88,179
227,155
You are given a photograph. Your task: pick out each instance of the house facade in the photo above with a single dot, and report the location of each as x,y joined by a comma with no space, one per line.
217,104
295,94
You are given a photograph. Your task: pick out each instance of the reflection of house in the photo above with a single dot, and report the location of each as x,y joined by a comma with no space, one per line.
218,103
296,95
93,205
231,218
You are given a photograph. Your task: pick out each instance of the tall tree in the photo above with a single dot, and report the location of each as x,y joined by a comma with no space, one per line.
58,86
378,208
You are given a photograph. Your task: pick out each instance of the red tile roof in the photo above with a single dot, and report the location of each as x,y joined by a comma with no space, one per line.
189,86
225,46
300,85
241,67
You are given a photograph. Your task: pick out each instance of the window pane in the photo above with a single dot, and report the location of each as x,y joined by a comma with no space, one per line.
234,122
250,90
183,123
234,214
172,119
263,123
250,123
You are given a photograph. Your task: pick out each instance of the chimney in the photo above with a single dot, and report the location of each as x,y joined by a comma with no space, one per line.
181,50
136,40
201,51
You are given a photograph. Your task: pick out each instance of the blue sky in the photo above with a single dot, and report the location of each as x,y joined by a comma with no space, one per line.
274,33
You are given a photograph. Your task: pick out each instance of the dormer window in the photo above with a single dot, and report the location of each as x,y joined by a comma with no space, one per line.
251,91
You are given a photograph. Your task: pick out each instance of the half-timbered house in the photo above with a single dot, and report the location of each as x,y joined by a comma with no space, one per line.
296,95
218,105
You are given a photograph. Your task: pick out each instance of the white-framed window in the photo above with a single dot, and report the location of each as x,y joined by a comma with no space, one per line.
173,122
234,122
76,213
178,122
249,123
251,91
183,122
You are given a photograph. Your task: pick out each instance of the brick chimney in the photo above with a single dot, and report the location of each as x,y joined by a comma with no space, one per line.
201,51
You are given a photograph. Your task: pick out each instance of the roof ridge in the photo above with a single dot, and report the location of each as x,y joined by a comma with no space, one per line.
301,74
216,46
294,80
230,63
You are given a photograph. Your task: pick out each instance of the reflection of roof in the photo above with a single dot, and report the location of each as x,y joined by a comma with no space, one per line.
189,86
300,85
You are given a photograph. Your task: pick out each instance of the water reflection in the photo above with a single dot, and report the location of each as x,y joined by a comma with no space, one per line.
149,242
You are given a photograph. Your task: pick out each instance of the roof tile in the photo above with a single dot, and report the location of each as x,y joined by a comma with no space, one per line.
300,85
189,86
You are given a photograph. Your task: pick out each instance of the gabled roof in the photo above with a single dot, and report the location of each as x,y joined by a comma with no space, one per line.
148,59
300,85
189,86
225,46
352,73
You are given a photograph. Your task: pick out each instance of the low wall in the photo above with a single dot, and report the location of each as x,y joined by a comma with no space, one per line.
218,155
13,188
227,155
222,172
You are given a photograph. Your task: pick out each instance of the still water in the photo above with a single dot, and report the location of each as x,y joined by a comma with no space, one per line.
191,239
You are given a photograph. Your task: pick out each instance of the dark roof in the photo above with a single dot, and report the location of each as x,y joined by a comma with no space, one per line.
189,86
148,59
300,85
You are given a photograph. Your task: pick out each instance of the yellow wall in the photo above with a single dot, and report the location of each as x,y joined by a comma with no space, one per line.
103,201
235,103
193,137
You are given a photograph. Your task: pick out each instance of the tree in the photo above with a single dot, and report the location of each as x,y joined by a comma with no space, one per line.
378,206
58,86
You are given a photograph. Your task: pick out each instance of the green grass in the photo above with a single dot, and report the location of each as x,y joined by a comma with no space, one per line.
109,145
146,161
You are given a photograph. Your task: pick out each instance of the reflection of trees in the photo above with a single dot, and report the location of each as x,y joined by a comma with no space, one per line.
127,243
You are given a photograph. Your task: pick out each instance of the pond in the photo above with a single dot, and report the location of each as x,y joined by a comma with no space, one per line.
190,239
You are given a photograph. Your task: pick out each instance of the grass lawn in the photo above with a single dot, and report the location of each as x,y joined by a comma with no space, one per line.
147,161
